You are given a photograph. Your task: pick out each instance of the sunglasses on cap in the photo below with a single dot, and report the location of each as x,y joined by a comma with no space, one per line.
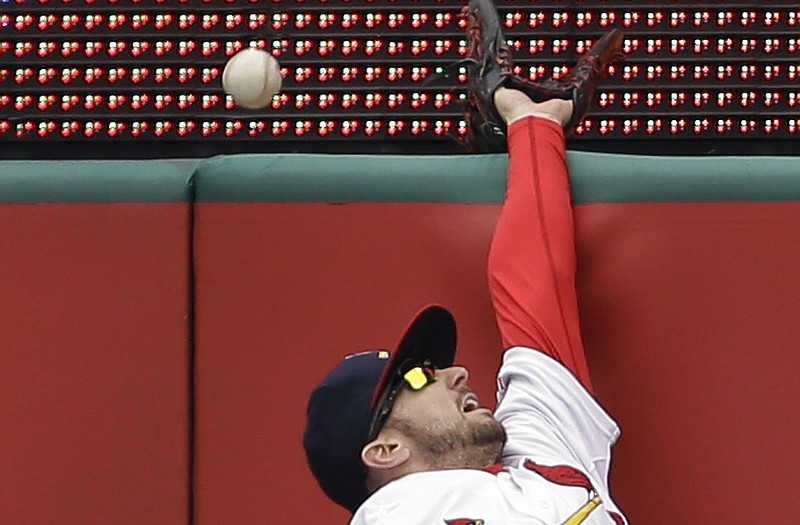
415,376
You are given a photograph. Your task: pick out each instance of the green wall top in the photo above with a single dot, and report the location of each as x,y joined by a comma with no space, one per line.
24,181
596,178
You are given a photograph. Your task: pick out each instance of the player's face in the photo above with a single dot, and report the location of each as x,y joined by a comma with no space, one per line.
446,421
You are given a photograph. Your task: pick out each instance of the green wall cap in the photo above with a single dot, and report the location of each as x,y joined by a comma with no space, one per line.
596,178
352,178
600,177
23,181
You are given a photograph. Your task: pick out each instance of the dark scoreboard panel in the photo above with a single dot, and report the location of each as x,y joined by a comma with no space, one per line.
94,73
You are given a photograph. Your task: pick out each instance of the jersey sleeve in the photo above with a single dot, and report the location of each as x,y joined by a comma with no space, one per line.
551,418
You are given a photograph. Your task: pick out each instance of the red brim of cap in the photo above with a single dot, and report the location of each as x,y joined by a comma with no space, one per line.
431,335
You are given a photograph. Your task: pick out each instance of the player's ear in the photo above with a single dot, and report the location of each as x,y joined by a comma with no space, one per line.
385,453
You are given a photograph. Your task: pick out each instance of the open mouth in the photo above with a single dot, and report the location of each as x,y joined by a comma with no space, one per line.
470,403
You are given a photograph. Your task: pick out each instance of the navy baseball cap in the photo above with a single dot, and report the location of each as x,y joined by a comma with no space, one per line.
341,408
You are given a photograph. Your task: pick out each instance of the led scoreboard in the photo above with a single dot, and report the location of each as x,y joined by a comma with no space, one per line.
92,73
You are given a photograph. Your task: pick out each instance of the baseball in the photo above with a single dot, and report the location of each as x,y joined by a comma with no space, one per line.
252,76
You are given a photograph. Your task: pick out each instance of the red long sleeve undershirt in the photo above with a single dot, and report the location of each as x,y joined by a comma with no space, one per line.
532,259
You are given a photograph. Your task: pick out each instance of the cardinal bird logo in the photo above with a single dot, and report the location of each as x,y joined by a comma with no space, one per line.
464,521
572,477
561,475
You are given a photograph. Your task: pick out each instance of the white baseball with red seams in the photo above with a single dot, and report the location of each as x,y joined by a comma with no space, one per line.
554,468
252,77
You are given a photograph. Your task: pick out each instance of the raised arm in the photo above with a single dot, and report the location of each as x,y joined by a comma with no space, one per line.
532,258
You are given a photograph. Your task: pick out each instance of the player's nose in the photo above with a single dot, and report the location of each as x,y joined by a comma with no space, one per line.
453,376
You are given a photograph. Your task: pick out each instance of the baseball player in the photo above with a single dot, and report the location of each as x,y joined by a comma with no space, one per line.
399,438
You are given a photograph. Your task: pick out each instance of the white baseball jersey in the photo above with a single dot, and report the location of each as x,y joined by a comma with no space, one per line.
554,468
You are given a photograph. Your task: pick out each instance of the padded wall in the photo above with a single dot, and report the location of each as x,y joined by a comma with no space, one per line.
285,289
688,296
687,281
94,351
690,315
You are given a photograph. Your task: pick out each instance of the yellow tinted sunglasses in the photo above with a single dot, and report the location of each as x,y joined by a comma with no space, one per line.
418,377
414,376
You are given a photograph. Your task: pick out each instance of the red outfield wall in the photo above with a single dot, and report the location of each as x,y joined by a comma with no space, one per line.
94,353
688,310
689,315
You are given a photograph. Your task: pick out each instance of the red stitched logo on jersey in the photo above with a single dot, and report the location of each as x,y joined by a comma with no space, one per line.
569,477
463,521
561,475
